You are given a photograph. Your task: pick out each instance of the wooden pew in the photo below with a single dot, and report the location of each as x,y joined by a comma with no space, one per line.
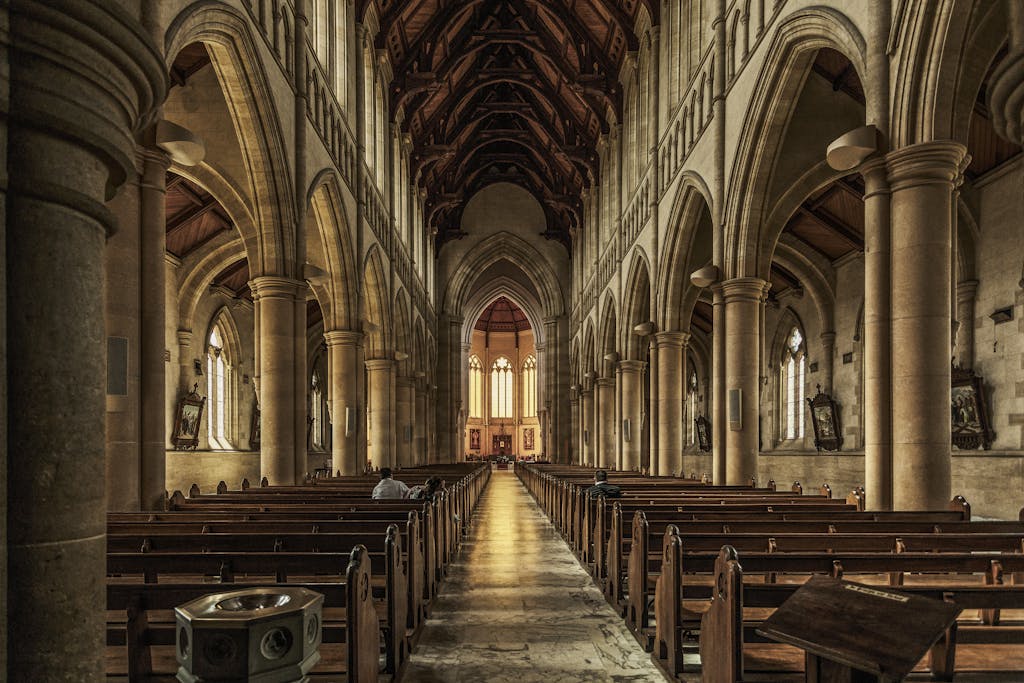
141,643
724,628
287,567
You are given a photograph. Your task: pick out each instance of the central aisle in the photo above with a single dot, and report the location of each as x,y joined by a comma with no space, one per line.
517,606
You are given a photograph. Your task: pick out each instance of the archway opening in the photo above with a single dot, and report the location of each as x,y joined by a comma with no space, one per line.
503,414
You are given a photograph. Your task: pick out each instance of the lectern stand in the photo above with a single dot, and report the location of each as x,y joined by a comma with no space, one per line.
852,633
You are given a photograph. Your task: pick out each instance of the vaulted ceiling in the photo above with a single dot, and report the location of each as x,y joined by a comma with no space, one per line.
502,316
507,90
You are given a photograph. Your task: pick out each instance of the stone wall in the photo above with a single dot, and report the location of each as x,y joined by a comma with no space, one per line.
207,468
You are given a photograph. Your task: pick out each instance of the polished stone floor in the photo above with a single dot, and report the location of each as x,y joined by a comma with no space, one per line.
517,606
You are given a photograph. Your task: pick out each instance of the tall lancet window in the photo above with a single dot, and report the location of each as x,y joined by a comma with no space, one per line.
218,369
692,410
476,387
316,411
793,369
501,388
530,387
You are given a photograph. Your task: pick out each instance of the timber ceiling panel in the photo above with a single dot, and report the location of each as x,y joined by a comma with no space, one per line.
235,277
194,216
507,90
502,316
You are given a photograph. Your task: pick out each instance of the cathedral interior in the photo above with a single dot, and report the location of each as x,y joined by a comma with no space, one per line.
729,241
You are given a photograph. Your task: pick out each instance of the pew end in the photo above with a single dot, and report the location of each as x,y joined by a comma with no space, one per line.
960,504
193,491
721,627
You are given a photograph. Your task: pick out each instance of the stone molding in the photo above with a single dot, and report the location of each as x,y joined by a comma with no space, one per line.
926,163
343,338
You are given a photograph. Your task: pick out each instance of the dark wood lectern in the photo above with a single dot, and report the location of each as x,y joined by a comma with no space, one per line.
852,633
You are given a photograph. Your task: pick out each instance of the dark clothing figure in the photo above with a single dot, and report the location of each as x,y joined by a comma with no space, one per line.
602,488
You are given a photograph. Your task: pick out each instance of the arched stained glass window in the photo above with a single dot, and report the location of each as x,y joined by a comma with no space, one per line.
218,389
793,369
316,412
501,388
691,403
530,387
476,393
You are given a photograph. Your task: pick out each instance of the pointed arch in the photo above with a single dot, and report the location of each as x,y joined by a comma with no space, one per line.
330,249
790,54
236,60
636,304
376,305
689,222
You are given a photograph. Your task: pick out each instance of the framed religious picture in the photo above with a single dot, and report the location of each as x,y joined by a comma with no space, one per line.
703,428
825,417
188,420
474,439
254,430
971,426
528,439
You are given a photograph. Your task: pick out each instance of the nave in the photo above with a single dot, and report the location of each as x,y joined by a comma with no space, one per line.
517,606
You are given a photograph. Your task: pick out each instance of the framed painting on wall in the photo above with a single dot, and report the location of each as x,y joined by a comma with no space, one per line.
474,439
703,428
254,430
188,420
828,435
528,439
971,427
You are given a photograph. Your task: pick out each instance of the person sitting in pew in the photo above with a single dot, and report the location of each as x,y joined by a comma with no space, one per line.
601,487
388,488
426,490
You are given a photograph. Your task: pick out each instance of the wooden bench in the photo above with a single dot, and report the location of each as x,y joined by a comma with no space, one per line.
141,632
725,628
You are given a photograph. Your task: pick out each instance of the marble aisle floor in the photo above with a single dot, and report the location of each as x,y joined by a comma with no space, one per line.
517,606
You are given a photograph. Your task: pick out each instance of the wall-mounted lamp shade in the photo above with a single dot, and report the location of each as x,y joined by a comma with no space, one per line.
182,145
1002,315
612,357
704,277
369,327
644,329
401,355
848,151
590,375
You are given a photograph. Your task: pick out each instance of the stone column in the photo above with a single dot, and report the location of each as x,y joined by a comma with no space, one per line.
877,336
922,178
589,437
380,382
718,393
153,367
606,422
448,387
574,409
173,370
343,365
828,352
275,300
631,379
671,390
82,78
302,383
419,450
742,340
965,297
404,394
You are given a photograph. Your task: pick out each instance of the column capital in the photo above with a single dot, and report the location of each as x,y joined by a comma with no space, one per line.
744,289
551,320
145,154
466,347
377,364
605,382
670,339
628,367
405,382
926,163
343,338
828,338
172,260
966,289
275,287
184,337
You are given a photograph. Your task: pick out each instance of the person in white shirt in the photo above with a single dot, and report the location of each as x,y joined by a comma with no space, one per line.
388,488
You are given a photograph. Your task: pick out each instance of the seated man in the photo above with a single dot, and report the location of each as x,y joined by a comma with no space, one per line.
601,487
388,488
